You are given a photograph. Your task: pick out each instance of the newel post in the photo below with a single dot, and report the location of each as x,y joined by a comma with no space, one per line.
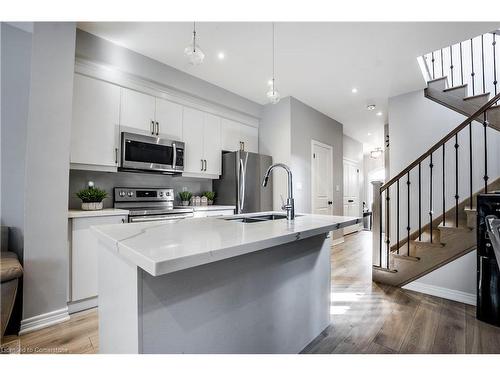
376,230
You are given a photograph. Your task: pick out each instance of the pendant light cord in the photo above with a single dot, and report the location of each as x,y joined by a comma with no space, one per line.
194,36
273,58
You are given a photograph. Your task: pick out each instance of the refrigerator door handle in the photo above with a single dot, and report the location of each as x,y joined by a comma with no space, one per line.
243,172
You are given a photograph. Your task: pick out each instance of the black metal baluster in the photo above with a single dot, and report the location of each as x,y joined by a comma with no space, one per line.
397,214
419,202
472,65
387,225
408,226
433,71
451,65
485,125
494,64
456,180
470,163
461,65
431,166
444,188
482,63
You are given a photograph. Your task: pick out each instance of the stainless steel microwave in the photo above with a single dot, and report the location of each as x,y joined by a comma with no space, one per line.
149,153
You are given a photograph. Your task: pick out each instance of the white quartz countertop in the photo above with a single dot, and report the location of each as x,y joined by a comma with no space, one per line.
163,247
209,208
105,212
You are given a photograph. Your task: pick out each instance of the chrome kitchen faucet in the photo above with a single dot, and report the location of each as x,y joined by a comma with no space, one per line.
289,206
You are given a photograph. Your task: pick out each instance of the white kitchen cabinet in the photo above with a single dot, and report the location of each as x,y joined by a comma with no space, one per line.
168,115
235,135
83,251
94,126
212,152
192,129
137,110
202,137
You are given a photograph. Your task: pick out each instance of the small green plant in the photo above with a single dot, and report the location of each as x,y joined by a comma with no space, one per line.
185,196
210,195
91,195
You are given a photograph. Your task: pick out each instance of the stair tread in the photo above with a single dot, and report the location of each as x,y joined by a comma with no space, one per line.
477,96
437,79
455,88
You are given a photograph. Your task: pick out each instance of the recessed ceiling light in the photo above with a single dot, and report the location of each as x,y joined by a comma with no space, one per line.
369,134
270,82
379,113
370,107
221,55
354,90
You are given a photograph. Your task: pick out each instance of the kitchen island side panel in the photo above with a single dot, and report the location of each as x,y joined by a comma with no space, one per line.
271,301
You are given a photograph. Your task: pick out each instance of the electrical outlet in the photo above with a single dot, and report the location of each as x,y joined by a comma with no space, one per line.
184,188
337,187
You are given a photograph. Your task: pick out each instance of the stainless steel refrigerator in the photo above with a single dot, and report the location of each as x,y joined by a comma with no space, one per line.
240,182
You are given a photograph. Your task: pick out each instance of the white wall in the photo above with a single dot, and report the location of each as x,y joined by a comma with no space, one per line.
353,150
47,169
416,124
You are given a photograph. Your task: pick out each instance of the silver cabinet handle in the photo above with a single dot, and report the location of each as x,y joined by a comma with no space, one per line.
152,127
157,128
174,161
201,165
205,169
116,155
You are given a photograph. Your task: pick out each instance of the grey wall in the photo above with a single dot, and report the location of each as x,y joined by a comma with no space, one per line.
107,181
93,48
16,68
307,124
275,140
47,168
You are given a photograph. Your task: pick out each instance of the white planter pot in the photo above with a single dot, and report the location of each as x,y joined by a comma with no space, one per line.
185,203
91,206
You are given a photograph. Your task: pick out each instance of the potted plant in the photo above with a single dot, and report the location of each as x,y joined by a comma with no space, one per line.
185,196
92,197
210,195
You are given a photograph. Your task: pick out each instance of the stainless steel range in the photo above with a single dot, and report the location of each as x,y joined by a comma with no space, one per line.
149,204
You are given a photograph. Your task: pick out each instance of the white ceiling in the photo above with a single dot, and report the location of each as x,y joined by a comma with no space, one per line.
318,63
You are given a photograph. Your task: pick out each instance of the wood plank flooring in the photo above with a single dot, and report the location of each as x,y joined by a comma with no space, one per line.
366,318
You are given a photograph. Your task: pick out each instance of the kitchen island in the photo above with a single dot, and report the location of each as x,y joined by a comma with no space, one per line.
213,285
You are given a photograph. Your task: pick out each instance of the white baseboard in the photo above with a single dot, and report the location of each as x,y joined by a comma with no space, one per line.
43,320
451,294
337,241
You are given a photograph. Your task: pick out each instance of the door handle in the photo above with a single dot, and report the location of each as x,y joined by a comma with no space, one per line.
330,202
157,128
174,160
201,165
350,200
116,155
152,127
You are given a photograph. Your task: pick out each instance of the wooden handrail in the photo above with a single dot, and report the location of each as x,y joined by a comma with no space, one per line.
443,140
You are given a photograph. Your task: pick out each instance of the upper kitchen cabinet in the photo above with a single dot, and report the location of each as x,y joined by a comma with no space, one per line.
137,111
94,127
168,117
236,135
201,135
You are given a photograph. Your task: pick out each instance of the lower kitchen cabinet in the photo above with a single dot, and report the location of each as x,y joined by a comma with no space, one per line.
83,256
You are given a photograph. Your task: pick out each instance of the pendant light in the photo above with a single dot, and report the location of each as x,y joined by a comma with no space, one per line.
193,52
273,95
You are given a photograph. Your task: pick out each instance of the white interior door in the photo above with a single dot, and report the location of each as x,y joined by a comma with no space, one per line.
351,193
322,178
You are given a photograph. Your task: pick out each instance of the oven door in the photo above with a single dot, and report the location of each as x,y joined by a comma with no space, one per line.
151,153
147,218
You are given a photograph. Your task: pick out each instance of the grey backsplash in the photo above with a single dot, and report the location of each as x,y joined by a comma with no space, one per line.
108,180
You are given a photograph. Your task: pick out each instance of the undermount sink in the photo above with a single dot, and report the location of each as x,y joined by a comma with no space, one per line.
258,218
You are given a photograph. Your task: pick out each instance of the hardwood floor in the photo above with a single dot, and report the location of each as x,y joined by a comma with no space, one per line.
366,318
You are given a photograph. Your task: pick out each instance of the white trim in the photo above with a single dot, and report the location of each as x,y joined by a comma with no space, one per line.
330,147
338,241
130,81
93,167
44,320
451,294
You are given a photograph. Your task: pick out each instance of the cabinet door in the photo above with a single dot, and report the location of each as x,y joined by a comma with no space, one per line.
192,129
137,110
250,137
84,247
230,135
96,111
212,152
169,118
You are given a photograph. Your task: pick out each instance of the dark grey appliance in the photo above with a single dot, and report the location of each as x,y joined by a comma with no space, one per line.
488,272
149,153
240,182
149,204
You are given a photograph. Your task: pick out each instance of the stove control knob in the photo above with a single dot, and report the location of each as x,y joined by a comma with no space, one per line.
121,193
130,193
161,193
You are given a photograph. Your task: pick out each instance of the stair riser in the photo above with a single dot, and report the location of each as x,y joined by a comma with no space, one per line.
450,235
